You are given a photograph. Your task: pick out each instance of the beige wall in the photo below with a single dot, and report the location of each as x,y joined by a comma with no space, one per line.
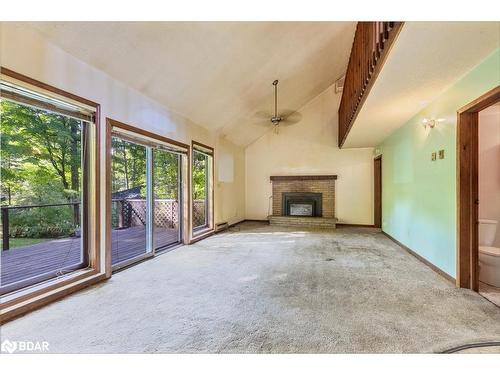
26,51
489,165
310,147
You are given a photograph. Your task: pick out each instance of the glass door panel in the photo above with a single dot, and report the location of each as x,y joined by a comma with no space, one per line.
166,192
129,205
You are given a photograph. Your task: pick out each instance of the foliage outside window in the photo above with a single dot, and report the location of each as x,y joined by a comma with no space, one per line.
40,164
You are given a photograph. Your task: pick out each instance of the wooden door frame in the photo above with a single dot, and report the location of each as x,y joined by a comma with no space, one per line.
467,189
377,202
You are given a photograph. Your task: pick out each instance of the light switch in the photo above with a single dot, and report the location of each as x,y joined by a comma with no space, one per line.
441,154
433,156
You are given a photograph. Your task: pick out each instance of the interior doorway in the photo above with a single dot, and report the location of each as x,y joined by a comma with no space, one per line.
468,189
377,175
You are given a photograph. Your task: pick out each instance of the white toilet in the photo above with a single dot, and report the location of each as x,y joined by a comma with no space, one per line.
489,257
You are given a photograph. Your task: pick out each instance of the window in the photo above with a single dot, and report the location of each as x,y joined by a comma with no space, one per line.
202,188
145,192
48,157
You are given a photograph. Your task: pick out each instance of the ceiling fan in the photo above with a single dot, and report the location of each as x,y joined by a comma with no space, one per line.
285,117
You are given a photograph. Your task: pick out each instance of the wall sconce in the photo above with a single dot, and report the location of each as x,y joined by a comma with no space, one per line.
431,123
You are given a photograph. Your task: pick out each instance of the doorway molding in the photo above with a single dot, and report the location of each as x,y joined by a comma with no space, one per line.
468,189
377,191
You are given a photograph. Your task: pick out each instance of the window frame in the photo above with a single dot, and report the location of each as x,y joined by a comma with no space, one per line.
25,299
200,232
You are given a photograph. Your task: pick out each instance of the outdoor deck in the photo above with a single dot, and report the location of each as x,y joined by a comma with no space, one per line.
63,254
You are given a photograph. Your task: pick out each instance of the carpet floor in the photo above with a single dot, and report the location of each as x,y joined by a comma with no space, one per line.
263,289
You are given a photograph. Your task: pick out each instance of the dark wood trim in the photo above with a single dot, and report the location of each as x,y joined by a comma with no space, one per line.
195,143
377,192
41,294
422,259
34,82
237,223
369,69
145,133
303,178
346,225
484,101
467,189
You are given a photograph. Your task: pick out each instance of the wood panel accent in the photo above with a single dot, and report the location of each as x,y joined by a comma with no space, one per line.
370,48
303,178
467,189
422,259
18,303
377,192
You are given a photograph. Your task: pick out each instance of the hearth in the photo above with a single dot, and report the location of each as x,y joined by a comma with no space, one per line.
302,204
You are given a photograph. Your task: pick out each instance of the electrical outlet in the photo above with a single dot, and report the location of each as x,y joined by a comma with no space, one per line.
433,156
441,154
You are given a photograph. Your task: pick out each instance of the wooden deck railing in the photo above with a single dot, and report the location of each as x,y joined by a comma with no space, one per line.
370,47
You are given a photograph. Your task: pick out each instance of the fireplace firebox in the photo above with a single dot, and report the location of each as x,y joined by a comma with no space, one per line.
302,204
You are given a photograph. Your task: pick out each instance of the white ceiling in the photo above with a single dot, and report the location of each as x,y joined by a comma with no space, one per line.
426,59
217,74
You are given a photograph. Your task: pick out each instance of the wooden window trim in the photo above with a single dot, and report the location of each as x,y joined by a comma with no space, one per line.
145,133
209,230
38,295
467,189
110,124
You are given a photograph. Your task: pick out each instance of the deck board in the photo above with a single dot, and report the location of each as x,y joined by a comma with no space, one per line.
61,255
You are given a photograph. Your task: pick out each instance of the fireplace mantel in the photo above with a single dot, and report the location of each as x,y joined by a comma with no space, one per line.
303,177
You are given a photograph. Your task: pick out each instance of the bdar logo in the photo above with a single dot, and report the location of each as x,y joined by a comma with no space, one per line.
9,346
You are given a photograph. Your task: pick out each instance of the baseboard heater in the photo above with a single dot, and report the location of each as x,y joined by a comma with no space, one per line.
219,227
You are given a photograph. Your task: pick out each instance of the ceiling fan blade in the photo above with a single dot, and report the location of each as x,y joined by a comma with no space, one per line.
290,117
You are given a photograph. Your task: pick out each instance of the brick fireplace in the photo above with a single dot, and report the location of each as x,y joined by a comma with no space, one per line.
303,200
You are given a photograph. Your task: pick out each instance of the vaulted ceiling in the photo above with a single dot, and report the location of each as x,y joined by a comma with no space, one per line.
217,74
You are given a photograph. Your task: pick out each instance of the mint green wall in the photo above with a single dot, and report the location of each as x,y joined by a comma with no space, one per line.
419,195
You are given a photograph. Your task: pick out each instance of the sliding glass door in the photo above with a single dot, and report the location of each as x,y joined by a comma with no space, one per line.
167,198
146,196
128,201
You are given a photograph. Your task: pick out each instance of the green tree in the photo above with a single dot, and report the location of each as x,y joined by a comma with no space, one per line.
200,170
37,147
